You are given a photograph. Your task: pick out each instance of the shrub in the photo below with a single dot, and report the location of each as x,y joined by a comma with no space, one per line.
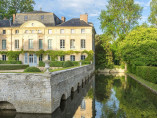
12,66
85,62
32,69
56,64
41,64
147,72
68,64
76,63
10,62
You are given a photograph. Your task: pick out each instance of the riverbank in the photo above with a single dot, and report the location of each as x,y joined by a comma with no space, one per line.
149,85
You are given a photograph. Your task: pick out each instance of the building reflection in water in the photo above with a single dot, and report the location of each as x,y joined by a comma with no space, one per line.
79,105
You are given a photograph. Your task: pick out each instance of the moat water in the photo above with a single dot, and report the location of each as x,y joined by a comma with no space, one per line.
103,97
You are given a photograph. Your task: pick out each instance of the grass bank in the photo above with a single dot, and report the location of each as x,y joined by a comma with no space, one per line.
146,83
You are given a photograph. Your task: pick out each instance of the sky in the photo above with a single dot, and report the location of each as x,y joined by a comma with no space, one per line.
73,9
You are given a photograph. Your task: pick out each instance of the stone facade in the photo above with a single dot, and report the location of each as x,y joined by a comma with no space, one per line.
41,93
48,28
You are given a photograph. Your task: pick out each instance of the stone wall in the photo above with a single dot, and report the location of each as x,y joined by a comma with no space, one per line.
41,93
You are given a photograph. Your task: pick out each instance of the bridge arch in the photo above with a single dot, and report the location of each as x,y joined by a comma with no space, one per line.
5,105
63,102
72,93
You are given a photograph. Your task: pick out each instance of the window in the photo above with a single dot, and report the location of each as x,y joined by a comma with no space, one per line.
72,57
3,44
16,31
30,58
62,31
83,43
83,104
26,18
33,31
49,57
32,24
72,31
30,43
41,57
82,31
17,59
72,43
4,31
62,58
50,44
50,31
83,57
62,44
17,44
42,17
26,31
39,31
4,57
40,44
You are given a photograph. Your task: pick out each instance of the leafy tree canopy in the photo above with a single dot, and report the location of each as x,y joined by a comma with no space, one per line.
153,15
120,17
140,47
10,7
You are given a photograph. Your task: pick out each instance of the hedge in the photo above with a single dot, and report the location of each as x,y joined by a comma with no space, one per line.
60,63
10,62
32,69
147,72
12,66
68,64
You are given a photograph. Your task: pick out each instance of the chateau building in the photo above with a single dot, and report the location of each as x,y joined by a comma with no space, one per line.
39,30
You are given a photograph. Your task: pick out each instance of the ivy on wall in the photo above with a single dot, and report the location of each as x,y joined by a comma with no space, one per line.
12,55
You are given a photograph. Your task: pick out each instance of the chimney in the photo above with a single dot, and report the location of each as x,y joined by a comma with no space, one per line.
13,18
84,17
63,19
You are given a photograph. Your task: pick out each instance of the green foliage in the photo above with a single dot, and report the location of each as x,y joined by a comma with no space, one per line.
140,47
32,69
10,62
68,64
12,55
56,64
41,64
85,62
12,66
153,15
76,63
119,17
10,7
147,73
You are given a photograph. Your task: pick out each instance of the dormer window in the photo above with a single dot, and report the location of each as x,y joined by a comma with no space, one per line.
26,18
42,17
82,31
62,31
32,24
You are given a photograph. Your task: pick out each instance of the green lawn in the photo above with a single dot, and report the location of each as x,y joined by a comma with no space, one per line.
147,83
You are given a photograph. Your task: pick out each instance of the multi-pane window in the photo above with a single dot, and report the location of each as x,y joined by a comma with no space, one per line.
25,18
50,44
30,58
26,31
3,44
83,105
33,31
17,59
72,43
62,58
49,57
83,57
16,31
82,31
83,43
4,57
30,43
39,31
50,31
72,57
62,31
4,31
62,43
42,17
72,31
17,44
41,57
40,44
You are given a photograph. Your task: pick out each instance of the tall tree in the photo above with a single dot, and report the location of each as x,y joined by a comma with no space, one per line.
119,17
9,7
153,15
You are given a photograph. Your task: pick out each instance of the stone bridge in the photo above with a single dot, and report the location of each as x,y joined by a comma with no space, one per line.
40,93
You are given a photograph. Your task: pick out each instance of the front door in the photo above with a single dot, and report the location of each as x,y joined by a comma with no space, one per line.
32,60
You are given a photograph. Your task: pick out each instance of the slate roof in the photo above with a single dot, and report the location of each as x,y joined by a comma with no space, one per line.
35,12
75,22
5,23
